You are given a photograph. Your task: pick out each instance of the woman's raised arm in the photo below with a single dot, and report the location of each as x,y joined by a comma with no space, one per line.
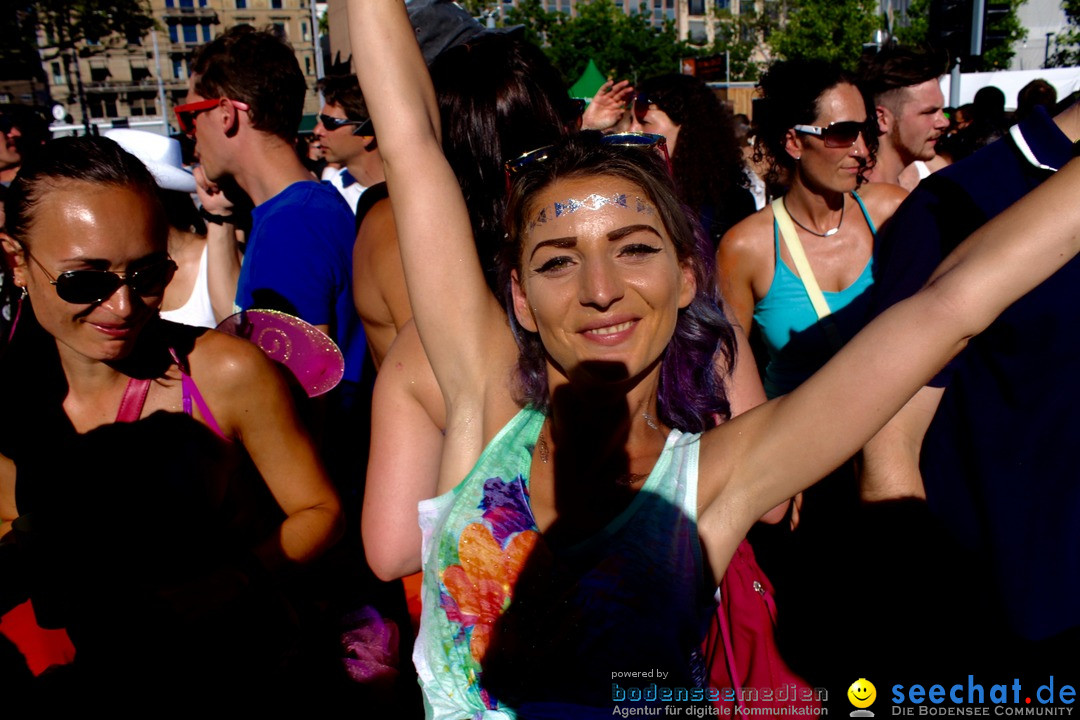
453,309
772,452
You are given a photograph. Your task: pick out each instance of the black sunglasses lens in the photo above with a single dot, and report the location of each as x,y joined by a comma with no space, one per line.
842,134
87,286
150,281
83,287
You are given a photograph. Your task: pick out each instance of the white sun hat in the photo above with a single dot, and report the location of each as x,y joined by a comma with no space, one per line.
160,154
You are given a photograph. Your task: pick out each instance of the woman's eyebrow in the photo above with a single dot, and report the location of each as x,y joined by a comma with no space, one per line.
563,242
630,229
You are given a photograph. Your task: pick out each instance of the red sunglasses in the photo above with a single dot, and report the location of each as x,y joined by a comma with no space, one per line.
186,114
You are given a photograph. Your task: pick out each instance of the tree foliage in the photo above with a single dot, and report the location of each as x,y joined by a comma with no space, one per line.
744,37
831,30
1067,42
622,45
914,29
90,25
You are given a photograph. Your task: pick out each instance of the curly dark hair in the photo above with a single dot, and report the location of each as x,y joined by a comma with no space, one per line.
691,394
790,93
498,98
258,68
707,163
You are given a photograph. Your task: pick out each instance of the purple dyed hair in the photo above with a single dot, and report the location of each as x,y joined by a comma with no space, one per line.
692,393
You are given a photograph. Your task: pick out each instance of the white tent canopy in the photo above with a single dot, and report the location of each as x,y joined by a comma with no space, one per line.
1064,80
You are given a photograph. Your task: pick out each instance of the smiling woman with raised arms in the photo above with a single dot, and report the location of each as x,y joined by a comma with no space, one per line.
598,505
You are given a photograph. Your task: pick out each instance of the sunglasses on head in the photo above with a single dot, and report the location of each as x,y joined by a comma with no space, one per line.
627,139
87,287
364,128
841,134
186,114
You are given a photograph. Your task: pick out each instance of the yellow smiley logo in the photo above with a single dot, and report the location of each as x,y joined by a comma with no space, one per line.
862,693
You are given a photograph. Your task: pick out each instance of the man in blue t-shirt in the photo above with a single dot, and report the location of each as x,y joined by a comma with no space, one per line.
244,105
993,433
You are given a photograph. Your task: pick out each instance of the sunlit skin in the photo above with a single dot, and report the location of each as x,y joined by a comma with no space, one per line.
600,284
919,122
339,145
823,168
80,226
657,121
204,142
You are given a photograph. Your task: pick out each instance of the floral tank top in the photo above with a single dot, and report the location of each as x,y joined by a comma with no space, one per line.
512,625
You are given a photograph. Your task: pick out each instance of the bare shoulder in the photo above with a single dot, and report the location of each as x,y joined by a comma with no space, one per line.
882,200
377,232
751,237
234,376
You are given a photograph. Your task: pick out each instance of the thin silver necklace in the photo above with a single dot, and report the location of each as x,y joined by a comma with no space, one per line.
827,233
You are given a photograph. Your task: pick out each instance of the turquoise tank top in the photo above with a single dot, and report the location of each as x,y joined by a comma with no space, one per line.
514,625
793,335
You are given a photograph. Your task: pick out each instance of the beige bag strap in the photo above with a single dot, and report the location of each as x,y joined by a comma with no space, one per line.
802,265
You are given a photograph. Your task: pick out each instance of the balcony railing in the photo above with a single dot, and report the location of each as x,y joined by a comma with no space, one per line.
190,12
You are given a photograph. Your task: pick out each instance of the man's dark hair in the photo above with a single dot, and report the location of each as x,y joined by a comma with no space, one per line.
898,67
258,68
344,91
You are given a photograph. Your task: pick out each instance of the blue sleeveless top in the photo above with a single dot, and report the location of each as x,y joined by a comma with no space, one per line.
794,337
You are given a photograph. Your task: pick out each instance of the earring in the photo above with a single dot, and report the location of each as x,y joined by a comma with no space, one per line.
24,293
798,158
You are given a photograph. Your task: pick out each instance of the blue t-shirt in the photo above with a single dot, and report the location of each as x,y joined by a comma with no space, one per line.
998,459
299,260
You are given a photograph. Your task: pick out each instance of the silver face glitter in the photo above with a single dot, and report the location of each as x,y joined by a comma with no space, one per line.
590,202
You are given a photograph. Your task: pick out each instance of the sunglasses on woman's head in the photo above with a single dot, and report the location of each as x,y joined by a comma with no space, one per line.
841,134
86,287
628,139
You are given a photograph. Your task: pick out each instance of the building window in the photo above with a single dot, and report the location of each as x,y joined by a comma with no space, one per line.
307,65
139,73
110,107
168,3
279,30
241,4
57,74
191,34
99,74
94,106
275,4
206,33
179,69
174,34
304,31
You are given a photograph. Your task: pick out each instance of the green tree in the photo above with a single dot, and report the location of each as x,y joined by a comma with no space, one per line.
1067,42
744,37
622,45
914,29
831,30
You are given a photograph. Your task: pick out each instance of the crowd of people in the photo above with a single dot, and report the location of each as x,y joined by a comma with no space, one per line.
609,376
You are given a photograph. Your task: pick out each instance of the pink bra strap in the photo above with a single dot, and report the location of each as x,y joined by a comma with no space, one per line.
191,392
131,405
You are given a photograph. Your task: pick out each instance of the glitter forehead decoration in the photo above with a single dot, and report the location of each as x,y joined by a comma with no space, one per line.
594,201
